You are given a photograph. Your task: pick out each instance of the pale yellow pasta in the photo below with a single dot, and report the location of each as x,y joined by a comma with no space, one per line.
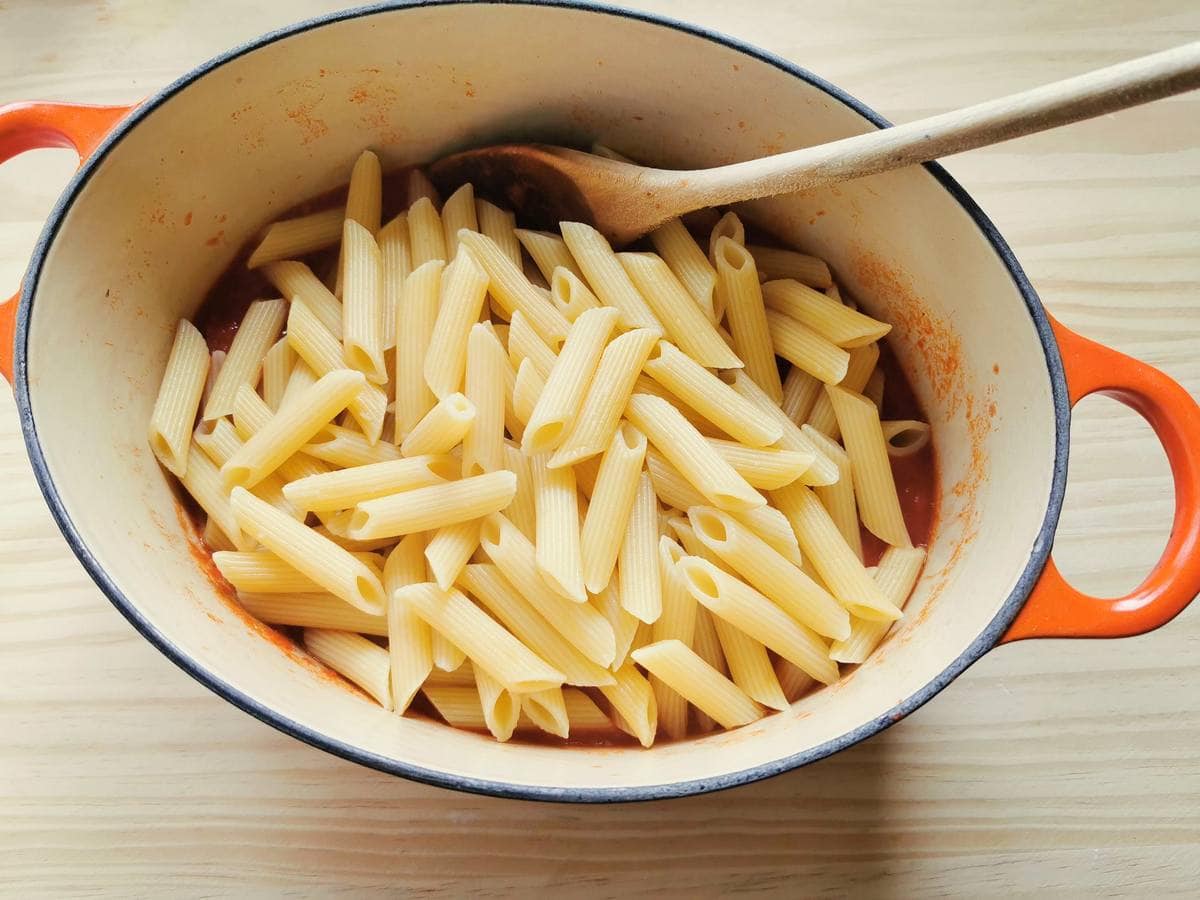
216,360
585,716
364,198
606,276
362,306
220,441
425,238
548,711
570,295
800,392
203,481
277,372
632,699
677,622
610,507
728,226
560,400
435,506
585,627
347,487
694,679
774,263
710,396
737,284
346,447
302,376
522,510
326,563
764,467
179,398
524,344
647,385
527,389
319,610
459,705
680,251
768,572
442,428
637,561
214,538
862,363
832,558
606,397
499,225
415,321
558,552
262,572
549,252
463,289
874,484
251,413
483,445
904,437
734,601
838,498
291,428
687,450
409,639
873,389
291,238
354,657
803,347
500,707
488,644
750,666
794,681
419,186
513,291
322,352
446,655
823,314
295,281
258,330
896,575
623,624
458,212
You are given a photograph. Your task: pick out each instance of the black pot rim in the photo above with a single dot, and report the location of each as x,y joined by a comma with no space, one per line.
1039,552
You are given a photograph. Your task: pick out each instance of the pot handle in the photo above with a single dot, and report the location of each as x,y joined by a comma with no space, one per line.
32,126
1054,608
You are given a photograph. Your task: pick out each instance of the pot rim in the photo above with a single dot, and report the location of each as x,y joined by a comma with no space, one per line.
987,638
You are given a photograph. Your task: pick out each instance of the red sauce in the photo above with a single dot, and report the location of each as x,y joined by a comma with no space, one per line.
225,304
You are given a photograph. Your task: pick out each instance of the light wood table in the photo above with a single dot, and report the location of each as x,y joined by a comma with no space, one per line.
1049,768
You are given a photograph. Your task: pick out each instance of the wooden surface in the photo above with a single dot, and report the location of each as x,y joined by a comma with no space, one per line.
1048,769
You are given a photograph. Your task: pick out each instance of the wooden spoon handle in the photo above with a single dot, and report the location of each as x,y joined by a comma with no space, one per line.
1060,103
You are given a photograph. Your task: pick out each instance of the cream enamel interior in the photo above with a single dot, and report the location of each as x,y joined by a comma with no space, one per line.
167,209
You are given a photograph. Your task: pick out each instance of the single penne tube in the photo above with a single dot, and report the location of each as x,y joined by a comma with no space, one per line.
501,708
419,186
764,467
775,263
680,251
803,347
560,400
364,197
610,507
333,568
835,563
447,656
677,622
708,647
262,572
409,639
527,388
202,480
296,280
216,360
222,442
823,470
548,711
397,266
584,715
730,226
696,680
687,450
710,396
873,389
585,627
293,238
513,425
828,317
317,610
250,414
362,302
549,252
638,574
489,646
794,680
523,509
624,625
769,573
277,372
415,321
499,225
301,377
874,484
291,428
463,289
904,437
606,397
344,488
524,343
606,276
425,238
684,321
750,666
896,575
800,392
734,601
570,295
214,538
258,330
458,212
557,544
354,657
862,363
838,498
322,352
459,705
427,508
347,448
513,291
737,283
442,428
491,589
647,385
632,699
179,398
483,444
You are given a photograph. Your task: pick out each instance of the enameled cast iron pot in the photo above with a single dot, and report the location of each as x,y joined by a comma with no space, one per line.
169,189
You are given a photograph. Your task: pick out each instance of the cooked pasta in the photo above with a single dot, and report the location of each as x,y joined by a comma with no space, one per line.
610,507
243,362
179,398
558,553
681,252
805,348
570,295
606,276
828,317
774,263
290,238
896,574
458,212
499,225
426,508
800,392
362,302
415,320
862,363
512,290
737,284
397,266
549,252
904,437
425,239
694,679
353,656
442,428
764,467
464,286
483,445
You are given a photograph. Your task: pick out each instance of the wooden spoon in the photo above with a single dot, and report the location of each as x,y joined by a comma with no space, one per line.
624,201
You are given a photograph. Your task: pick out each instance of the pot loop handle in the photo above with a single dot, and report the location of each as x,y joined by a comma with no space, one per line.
1054,608
32,126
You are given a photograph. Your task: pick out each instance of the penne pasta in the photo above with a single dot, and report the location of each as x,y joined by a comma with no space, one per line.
527,388
513,291
904,437
278,365
750,666
638,573
838,498
803,347
415,321
677,622
873,389
500,708
800,392
549,252
202,479
354,657
442,428
427,508
447,657
179,398
689,675
611,505
680,251
557,545
728,226
548,711
764,467
483,446
296,281
319,610
262,572
364,199
347,448
737,284
825,315
896,576
585,717
420,187
459,705
570,295
632,700
344,488
499,225
458,212
862,363
522,510
606,276
362,306
463,289
775,263
623,624
292,238
397,266
258,330
524,343
426,241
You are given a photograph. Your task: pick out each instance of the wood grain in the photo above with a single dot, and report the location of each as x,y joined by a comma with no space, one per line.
1048,769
